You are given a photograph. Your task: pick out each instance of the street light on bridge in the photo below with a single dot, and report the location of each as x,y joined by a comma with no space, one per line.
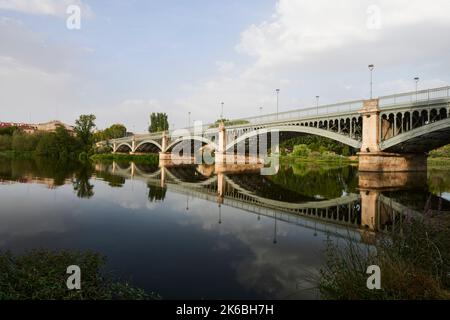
317,104
221,113
371,67
278,92
416,79
189,119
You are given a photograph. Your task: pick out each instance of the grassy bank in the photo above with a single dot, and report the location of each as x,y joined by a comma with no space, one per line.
414,262
41,275
152,159
318,159
439,162
11,154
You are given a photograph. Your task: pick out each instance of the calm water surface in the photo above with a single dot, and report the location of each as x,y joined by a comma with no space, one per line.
185,232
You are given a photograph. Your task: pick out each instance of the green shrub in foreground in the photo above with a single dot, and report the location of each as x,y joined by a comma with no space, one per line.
414,263
41,274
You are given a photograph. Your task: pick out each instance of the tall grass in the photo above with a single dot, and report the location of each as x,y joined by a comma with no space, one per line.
414,263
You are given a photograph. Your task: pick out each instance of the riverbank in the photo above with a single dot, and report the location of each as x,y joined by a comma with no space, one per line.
414,262
438,162
320,159
11,154
41,275
151,159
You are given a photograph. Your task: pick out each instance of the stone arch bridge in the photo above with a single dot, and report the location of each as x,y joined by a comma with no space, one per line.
391,133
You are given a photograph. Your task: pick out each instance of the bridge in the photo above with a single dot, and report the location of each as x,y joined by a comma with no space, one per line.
391,133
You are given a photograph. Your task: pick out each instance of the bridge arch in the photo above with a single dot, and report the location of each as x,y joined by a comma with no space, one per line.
148,142
122,147
298,129
420,139
190,138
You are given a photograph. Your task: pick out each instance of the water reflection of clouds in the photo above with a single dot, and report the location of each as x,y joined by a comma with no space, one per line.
271,268
36,214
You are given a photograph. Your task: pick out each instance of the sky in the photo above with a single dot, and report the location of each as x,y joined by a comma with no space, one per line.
129,58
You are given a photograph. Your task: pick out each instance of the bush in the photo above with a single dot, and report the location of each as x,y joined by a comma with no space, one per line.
5,143
41,274
414,263
22,142
301,150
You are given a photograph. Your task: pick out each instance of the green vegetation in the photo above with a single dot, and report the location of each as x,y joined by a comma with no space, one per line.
304,153
60,144
41,275
228,123
84,126
113,132
158,122
151,159
317,144
440,157
414,262
443,152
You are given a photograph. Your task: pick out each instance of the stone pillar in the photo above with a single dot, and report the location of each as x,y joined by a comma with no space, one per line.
114,147
222,144
371,158
164,142
133,145
371,126
164,156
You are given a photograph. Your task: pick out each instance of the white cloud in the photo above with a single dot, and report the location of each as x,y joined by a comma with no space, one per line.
44,7
322,47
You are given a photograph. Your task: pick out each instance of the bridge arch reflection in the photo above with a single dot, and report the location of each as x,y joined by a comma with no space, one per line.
364,211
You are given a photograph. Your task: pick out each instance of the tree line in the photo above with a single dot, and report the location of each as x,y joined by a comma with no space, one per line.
60,144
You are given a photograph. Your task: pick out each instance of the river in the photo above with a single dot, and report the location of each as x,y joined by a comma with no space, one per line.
186,232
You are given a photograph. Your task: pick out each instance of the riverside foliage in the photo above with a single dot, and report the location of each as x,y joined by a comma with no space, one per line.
41,274
60,144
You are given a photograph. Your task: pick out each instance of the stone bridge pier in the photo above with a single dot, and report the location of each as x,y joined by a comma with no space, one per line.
372,158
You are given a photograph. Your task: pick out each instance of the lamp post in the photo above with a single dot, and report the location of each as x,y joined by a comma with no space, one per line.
278,92
260,111
189,119
221,113
371,67
416,79
317,104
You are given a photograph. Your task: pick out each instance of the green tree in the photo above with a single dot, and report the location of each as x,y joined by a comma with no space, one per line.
83,128
23,141
5,142
301,150
114,132
59,144
158,122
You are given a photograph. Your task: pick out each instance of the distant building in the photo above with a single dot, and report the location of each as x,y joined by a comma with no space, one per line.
26,127
52,125
31,128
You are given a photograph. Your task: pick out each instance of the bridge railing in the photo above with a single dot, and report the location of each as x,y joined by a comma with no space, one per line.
324,110
413,97
319,111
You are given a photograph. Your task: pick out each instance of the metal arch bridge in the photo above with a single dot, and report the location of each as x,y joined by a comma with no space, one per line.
409,122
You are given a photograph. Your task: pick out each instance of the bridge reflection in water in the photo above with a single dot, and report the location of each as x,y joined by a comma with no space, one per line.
357,215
